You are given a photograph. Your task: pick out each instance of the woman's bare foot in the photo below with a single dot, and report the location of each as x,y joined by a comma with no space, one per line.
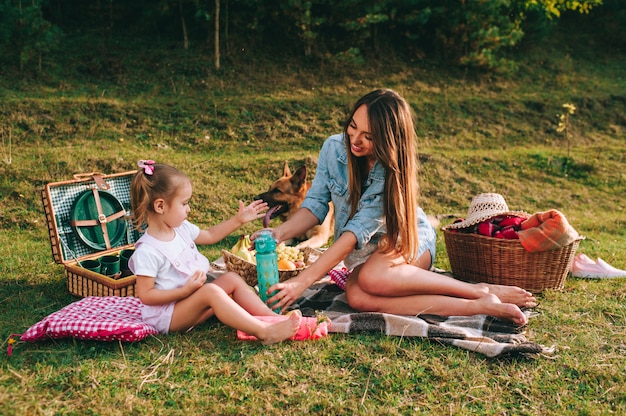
282,330
511,294
492,306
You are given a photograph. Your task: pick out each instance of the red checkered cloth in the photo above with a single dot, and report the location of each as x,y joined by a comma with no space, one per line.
339,277
106,318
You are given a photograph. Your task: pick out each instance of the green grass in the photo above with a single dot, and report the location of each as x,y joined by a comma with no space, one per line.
231,132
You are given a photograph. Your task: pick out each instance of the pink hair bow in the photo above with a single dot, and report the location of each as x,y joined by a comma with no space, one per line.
147,166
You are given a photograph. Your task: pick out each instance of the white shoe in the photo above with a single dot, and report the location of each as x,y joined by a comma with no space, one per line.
583,266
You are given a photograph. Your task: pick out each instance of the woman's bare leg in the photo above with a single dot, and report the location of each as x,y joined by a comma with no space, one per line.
431,304
387,275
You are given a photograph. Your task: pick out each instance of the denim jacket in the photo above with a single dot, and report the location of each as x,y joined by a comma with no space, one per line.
331,184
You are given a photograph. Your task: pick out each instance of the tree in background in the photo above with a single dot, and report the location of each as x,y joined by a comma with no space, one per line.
554,8
24,33
305,22
471,33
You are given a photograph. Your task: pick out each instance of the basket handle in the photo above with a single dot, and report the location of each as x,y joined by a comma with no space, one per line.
96,176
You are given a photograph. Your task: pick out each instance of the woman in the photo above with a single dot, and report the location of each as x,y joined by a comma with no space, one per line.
369,173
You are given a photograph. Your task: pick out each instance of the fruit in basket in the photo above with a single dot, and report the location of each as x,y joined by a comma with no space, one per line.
246,254
241,243
284,252
285,264
241,249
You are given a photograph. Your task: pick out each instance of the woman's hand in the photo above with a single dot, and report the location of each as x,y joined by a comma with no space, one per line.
251,212
288,292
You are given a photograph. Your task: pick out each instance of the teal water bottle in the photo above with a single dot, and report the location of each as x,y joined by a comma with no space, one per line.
266,263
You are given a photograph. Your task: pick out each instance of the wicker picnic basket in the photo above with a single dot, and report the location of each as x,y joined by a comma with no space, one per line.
247,270
74,239
477,258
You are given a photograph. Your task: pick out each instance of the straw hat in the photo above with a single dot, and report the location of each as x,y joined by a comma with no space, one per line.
484,207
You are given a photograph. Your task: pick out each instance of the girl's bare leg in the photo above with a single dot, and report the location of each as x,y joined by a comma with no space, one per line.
189,311
387,275
243,294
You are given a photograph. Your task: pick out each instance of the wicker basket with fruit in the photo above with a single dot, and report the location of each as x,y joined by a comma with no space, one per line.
291,261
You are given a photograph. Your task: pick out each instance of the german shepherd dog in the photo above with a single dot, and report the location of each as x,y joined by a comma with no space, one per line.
287,194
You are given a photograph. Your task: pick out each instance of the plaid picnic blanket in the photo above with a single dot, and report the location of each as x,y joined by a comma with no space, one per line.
479,333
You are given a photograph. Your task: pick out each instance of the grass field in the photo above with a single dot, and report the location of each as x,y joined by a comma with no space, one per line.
231,132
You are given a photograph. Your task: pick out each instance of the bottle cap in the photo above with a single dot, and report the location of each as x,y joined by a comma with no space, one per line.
265,242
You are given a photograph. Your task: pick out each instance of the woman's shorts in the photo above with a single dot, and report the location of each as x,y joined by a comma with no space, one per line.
427,241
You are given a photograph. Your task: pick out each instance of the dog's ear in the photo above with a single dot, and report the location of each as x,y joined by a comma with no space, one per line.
299,177
286,170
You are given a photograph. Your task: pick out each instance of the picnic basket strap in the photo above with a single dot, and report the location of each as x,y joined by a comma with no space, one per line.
86,223
102,218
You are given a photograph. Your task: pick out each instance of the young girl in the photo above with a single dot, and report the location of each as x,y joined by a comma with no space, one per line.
370,174
171,272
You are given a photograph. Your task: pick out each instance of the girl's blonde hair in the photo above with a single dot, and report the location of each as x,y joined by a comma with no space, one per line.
395,147
148,185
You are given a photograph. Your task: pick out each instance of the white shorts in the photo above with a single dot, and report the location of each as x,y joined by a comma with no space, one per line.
427,236
159,316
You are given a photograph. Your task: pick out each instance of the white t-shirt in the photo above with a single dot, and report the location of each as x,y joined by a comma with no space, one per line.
148,261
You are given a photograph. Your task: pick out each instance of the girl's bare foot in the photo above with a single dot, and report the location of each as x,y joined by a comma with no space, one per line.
511,294
297,312
282,330
492,306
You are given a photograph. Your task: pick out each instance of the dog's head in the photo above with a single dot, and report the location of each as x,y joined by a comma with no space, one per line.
287,192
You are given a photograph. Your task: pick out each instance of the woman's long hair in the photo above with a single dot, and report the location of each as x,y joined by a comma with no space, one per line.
395,147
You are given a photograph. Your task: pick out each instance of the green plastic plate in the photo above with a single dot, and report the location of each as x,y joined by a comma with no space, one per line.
84,208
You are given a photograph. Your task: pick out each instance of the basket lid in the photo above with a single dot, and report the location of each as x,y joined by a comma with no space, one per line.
74,222
98,218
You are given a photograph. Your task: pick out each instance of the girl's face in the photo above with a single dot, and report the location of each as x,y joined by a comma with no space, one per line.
177,208
361,143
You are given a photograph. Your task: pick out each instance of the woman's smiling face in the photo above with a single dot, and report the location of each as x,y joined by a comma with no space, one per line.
361,143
